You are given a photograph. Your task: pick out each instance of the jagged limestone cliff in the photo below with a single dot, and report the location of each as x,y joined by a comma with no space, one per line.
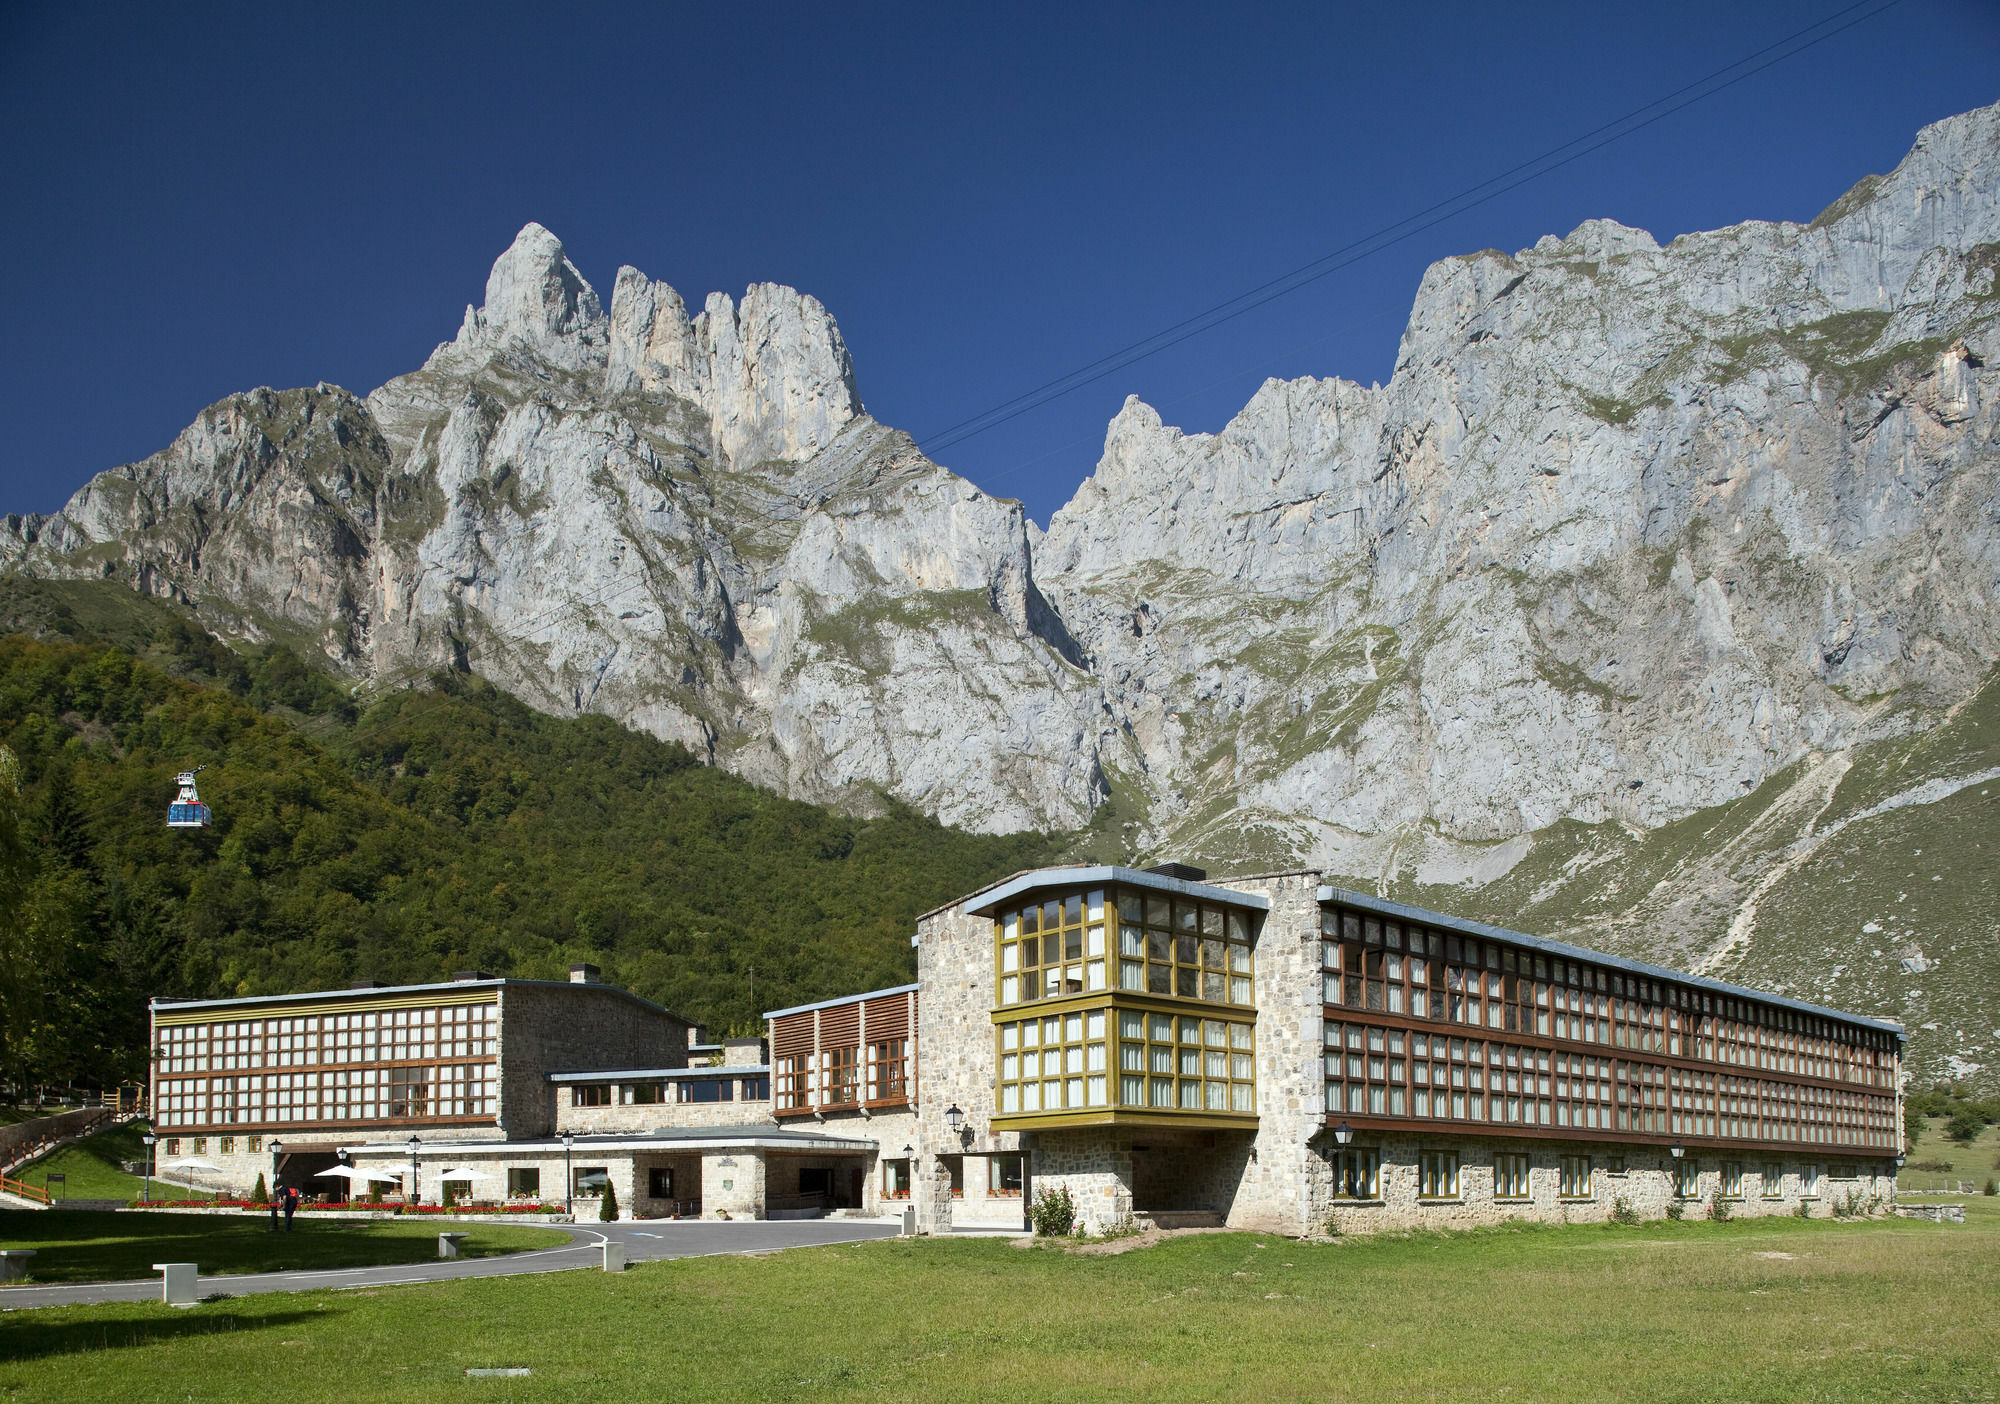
1647,562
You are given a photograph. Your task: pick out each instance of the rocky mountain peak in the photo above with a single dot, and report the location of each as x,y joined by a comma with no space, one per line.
537,301
772,375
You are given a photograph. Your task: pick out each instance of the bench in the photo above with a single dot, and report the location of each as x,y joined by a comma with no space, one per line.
14,1263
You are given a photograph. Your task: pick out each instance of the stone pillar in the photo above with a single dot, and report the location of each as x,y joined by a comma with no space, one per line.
1095,1166
936,1216
736,1188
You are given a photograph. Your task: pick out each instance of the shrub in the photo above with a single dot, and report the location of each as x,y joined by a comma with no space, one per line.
1677,1208
1623,1213
1965,1126
607,1207
258,1194
1803,1209
1054,1213
1993,1187
1718,1210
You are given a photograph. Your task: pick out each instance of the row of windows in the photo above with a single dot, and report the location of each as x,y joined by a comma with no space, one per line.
692,1089
1389,967
1165,1061
1356,1174
225,1145
363,1094
1165,946
378,1036
1003,1176
1379,1071
840,1077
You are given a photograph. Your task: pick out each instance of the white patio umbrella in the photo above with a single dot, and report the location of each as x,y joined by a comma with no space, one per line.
467,1172
349,1172
201,1165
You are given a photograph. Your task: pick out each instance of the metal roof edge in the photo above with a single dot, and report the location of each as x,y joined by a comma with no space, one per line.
157,1004
843,999
1467,927
661,1074
752,1135
982,902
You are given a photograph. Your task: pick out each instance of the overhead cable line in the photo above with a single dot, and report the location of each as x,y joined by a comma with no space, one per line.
1415,223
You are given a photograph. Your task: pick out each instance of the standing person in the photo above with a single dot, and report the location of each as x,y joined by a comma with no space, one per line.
276,1200
291,1206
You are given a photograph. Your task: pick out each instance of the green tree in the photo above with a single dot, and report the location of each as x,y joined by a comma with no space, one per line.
607,1207
1965,1126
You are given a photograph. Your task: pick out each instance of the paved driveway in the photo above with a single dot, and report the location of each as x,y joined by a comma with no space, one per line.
644,1241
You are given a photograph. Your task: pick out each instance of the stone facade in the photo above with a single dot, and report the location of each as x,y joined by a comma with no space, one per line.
1278,1177
1622,1177
623,1116
579,1027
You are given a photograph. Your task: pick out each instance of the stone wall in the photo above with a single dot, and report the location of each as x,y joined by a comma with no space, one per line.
955,1065
736,1189
634,1118
1645,1186
549,1028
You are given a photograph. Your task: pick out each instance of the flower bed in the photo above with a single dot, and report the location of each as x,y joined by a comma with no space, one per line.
352,1206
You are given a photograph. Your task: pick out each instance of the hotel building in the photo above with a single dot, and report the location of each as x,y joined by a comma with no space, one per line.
1265,1052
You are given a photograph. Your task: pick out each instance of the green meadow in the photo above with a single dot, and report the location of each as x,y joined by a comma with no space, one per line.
1767,1309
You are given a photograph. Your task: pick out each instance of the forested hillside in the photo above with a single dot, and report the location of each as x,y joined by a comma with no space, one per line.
436,829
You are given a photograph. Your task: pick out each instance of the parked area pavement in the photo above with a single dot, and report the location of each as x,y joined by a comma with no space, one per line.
644,1241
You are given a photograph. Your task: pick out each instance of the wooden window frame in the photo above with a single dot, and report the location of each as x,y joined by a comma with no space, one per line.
1356,1167
1634,1059
1439,1177
1568,1167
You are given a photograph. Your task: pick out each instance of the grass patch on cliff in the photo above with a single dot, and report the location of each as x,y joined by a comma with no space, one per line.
1753,1310
90,1167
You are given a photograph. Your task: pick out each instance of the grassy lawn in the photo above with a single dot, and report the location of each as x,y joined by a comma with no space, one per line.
94,1247
1977,1163
92,1166
1775,1309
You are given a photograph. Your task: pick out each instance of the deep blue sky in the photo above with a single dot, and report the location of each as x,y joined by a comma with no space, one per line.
202,198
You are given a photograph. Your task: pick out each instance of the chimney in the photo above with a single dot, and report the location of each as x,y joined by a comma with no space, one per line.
694,1034
1186,872
583,974
459,976
367,985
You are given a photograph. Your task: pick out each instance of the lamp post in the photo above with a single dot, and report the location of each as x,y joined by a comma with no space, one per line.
569,1177
149,1139
413,1197
277,1149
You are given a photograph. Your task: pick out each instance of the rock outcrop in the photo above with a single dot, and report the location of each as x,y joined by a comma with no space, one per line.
1632,533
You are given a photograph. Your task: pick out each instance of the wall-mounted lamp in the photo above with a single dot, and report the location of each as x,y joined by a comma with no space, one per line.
1676,1150
1343,1134
955,1119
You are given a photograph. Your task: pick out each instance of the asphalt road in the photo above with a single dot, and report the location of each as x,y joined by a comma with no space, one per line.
644,1241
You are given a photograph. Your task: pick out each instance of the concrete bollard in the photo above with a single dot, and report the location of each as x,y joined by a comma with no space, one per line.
177,1283
909,1221
14,1263
614,1256
448,1244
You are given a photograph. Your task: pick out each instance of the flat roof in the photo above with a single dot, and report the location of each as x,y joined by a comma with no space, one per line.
844,999
157,1005
1102,874
663,1074
1404,912
746,1137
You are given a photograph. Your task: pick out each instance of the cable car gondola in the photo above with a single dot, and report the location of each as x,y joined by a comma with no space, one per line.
187,811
